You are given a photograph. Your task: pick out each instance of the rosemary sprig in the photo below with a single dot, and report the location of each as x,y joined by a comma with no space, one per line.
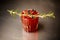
50,14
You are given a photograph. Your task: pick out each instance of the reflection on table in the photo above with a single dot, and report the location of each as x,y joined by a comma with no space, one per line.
30,36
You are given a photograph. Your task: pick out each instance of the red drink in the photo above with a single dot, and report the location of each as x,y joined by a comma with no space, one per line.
29,24
30,18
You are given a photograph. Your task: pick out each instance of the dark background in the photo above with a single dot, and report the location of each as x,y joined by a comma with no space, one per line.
11,28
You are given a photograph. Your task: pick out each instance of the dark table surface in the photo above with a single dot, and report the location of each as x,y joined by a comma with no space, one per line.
11,28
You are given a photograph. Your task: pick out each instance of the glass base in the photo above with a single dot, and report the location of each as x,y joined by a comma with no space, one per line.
30,29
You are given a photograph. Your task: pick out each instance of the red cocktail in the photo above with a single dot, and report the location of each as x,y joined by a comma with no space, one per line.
30,24
30,18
